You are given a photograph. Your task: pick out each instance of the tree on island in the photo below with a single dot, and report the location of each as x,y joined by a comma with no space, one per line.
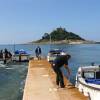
60,34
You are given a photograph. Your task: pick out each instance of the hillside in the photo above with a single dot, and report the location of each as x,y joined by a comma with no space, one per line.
60,35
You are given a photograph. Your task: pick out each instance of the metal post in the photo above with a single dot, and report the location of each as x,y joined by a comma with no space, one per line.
14,47
50,41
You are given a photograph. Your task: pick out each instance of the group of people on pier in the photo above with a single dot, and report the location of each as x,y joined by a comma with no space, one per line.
60,61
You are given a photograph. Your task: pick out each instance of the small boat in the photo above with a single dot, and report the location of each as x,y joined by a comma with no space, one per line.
53,54
21,56
88,81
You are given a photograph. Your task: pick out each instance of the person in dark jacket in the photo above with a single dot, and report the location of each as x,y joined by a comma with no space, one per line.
5,55
60,61
1,54
38,52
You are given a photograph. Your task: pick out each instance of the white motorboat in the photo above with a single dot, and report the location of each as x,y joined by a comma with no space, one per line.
88,81
53,54
21,56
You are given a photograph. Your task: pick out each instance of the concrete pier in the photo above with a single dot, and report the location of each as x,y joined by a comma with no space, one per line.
40,84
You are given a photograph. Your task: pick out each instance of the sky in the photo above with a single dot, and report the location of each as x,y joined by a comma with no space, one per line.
22,21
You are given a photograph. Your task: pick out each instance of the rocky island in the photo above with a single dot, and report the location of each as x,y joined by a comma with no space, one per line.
61,35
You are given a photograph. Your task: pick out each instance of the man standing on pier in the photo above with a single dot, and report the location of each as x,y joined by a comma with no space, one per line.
38,52
61,60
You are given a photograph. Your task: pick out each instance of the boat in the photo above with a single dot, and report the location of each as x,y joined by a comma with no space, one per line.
21,56
88,81
53,54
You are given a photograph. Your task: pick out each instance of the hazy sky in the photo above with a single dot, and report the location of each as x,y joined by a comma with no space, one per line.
22,21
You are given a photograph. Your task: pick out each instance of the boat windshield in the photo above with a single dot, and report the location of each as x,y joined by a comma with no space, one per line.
89,75
55,52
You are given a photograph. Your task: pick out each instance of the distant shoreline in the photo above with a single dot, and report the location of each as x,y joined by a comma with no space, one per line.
66,42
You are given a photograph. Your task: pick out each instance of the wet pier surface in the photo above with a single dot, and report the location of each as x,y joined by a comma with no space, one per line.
40,84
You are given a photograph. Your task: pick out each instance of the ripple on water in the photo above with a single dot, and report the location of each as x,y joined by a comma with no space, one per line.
12,80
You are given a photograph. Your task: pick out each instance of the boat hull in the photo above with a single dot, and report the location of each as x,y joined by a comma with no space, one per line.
88,86
21,58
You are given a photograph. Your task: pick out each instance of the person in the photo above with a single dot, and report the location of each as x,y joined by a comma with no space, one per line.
61,60
5,55
38,52
1,54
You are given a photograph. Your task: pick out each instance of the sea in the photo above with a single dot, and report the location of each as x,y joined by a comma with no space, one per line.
12,76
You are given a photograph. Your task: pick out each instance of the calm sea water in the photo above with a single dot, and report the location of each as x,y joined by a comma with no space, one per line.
12,77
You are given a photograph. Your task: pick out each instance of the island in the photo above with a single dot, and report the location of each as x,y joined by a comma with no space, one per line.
61,35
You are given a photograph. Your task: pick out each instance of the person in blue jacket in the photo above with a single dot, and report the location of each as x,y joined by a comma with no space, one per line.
38,52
